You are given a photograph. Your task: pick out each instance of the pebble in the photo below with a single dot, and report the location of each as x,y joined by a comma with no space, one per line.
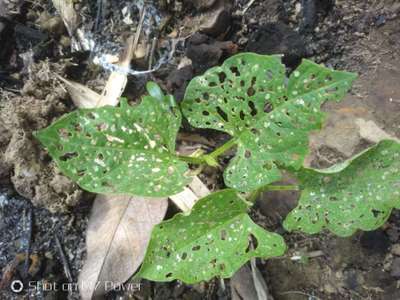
395,269
395,249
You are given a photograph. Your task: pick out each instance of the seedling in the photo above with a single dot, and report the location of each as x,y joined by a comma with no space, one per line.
131,150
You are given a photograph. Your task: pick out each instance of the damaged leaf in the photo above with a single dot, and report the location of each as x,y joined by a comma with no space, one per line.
215,239
268,115
117,150
117,237
357,194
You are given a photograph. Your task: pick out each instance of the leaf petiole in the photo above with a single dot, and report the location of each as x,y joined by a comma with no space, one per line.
211,158
225,147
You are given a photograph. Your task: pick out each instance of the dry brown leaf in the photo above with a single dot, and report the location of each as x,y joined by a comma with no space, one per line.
117,236
68,14
81,95
247,283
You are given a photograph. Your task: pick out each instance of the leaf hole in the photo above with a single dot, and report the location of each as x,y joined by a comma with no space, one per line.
101,127
205,113
376,213
196,248
206,96
252,243
184,255
241,115
253,110
168,275
222,77
81,172
68,156
77,127
223,234
222,114
333,198
222,267
64,133
251,91
247,154
235,71
106,184
213,262
91,115
255,131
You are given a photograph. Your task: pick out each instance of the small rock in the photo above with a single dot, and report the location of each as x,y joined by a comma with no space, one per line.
278,38
395,270
375,242
206,52
396,249
217,21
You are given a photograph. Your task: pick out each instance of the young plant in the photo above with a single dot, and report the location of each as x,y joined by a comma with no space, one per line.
131,150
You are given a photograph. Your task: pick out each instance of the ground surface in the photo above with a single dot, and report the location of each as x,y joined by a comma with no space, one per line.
354,35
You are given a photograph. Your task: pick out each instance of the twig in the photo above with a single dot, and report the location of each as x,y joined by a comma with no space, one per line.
98,13
153,47
139,28
248,6
64,260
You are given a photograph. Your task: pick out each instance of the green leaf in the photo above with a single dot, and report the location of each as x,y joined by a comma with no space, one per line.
357,194
119,150
268,115
214,240
154,90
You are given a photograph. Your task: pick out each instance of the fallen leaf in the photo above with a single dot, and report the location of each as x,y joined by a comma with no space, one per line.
81,95
117,237
248,283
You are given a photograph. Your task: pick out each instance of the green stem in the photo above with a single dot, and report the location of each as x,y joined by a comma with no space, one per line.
191,159
225,147
211,158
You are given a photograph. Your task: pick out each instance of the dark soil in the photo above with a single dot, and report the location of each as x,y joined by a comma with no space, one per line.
38,205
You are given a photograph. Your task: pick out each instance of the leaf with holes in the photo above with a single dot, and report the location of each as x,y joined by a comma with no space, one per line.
120,150
216,239
357,194
268,115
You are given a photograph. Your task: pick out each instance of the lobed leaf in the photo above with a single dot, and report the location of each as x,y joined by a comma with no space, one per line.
119,150
357,194
214,240
268,115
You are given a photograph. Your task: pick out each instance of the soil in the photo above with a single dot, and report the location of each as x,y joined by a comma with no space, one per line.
38,205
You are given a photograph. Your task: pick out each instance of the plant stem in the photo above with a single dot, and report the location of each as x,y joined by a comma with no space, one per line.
211,157
225,147
192,159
